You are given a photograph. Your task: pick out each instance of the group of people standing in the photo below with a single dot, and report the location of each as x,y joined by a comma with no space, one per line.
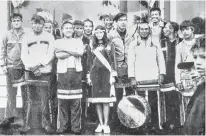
81,58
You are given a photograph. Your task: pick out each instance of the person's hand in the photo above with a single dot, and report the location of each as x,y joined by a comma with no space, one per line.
133,81
37,73
112,80
34,68
180,86
161,78
4,69
89,82
62,55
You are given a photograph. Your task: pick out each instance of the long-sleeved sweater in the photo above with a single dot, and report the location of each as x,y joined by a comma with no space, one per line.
71,46
145,60
38,49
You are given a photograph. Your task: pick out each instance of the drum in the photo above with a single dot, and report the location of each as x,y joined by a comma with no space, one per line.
133,111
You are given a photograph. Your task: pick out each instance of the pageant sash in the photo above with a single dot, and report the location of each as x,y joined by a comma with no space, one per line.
107,65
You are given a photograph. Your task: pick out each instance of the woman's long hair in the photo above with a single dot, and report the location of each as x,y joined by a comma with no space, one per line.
104,39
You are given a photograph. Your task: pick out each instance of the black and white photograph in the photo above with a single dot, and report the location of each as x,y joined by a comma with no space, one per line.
102,67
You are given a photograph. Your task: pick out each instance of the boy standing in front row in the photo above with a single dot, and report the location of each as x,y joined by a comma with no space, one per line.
69,51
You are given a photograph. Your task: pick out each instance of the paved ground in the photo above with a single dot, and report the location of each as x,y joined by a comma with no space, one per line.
89,127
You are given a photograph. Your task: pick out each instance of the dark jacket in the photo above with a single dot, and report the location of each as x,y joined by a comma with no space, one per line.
195,114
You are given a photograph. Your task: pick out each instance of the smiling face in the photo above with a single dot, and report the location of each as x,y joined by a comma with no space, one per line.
199,60
67,30
99,34
88,27
16,23
144,30
108,23
155,16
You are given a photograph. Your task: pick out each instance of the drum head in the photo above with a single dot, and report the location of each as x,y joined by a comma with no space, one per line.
134,111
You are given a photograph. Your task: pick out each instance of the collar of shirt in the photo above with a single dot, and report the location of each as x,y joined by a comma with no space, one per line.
89,37
160,24
21,32
148,42
189,43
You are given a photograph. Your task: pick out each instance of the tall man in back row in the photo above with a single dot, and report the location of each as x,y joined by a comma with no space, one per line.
121,39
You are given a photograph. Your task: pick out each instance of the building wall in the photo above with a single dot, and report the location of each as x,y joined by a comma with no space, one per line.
186,10
167,10
78,9
4,18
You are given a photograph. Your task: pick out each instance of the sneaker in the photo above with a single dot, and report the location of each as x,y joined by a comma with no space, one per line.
106,129
99,129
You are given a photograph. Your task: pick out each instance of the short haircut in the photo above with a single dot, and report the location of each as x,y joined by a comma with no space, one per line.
186,23
155,9
200,43
78,22
16,15
118,16
37,18
88,20
66,22
174,25
144,22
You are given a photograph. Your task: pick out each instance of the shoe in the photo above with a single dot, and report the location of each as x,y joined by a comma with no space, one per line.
76,133
48,130
106,129
25,130
99,128
61,131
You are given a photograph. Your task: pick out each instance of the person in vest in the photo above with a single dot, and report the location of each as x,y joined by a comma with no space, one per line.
146,64
157,26
101,76
37,54
172,98
121,39
195,113
11,63
69,69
